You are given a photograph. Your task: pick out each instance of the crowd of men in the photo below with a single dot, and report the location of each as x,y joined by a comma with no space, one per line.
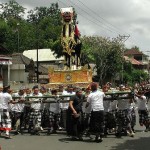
78,111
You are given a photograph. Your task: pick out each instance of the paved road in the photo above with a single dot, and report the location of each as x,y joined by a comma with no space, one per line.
141,141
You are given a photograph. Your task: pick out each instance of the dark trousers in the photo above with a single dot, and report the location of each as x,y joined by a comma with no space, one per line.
17,120
97,122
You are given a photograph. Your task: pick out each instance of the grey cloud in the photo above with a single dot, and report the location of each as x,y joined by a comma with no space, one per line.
127,16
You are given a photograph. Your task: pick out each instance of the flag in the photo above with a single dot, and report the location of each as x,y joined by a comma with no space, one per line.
76,31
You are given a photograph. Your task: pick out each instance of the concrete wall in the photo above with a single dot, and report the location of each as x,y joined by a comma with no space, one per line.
18,74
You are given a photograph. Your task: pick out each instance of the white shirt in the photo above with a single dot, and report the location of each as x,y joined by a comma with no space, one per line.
1,100
107,104
142,103
123,103
54,107
96,100
18,107
7,98
113,105
36,106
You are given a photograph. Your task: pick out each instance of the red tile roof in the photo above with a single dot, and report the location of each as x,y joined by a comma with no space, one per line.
133,61
133,52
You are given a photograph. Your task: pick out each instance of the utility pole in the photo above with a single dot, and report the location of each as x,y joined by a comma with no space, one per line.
18,37
37,50
123,38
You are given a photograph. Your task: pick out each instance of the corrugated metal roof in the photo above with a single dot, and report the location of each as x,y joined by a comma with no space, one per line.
43,55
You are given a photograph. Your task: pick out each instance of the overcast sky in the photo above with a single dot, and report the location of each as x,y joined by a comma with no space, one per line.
108,18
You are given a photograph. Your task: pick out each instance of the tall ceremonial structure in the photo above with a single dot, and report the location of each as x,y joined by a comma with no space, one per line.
74,71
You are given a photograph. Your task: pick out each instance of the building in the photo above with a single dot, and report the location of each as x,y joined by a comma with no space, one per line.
5,63
46,58
19,69
138,59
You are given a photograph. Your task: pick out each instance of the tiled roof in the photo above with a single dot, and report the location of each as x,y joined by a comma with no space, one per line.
133,52
18,58
133,61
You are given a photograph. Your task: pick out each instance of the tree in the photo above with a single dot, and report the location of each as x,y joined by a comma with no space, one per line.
132,75
12,14
12,10
3,31
105,53
47,26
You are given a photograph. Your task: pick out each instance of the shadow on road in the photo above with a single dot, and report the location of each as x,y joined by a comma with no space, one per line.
137,144
68,140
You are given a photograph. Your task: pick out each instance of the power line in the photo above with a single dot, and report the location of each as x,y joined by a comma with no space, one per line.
95,19
99,21
132,41
88,18
118,30
104,27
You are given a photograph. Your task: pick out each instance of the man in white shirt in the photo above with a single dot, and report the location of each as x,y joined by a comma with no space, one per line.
95,99
5,122
123,115
54,112
142,109
109,118
18,111
35,112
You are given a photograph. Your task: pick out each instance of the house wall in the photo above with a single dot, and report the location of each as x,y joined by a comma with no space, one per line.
18,74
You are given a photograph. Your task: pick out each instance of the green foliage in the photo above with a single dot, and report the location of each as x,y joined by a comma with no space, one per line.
12,10
139,75
41,29
3,31
105,53
132,75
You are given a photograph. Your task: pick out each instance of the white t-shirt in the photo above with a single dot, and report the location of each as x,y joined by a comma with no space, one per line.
141,102
123,103
113,105
54,107
96,100
18,107
107,104
7,98
36,106
1,100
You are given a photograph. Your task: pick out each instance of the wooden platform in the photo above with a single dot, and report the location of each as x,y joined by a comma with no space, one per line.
81,77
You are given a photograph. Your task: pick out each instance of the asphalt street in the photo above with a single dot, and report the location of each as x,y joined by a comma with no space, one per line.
58,141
